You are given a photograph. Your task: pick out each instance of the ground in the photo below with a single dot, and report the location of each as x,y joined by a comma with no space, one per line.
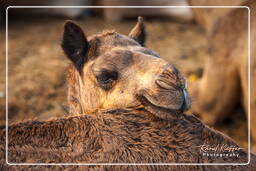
37,65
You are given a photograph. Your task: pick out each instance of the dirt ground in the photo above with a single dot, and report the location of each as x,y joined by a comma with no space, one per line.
37,65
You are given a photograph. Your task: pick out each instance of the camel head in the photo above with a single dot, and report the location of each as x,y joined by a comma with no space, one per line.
111,71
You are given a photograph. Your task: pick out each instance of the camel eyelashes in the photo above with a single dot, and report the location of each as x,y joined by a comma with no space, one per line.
106,79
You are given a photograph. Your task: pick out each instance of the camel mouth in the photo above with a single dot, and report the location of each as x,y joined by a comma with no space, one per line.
159,111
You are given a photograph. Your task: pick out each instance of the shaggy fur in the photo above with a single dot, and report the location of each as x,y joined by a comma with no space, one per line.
118,136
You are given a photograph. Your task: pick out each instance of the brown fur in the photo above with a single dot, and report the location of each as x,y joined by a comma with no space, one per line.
150,127
224,82
118,136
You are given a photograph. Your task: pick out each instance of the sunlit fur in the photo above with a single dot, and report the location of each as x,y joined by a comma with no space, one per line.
138,69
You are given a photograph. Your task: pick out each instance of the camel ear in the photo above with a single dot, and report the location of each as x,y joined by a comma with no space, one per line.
75,44
138,33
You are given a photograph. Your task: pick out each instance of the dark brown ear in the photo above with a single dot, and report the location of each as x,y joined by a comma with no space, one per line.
138,33
75,44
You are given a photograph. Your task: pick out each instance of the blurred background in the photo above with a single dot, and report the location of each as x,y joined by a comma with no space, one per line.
37,65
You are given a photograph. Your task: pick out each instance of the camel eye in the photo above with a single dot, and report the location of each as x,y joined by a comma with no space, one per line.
106,79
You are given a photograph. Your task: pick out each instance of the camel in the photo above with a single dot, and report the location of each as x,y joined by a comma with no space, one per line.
126,106
224,83
111,61
119,136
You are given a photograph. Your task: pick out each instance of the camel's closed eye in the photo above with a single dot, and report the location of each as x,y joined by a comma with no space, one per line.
106,79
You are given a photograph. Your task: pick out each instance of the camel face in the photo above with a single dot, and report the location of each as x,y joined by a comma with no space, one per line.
117,71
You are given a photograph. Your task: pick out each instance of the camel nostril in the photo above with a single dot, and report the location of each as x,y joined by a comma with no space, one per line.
170,75
165,85
171,69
